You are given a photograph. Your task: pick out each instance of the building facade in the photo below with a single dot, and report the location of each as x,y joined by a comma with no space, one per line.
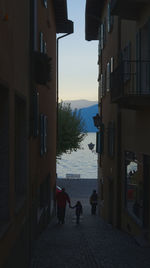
28,121
123,29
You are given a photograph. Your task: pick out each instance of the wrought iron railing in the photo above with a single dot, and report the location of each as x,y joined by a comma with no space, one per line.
130,78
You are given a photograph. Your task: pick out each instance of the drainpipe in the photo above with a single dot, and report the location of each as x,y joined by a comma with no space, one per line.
57,75
57,82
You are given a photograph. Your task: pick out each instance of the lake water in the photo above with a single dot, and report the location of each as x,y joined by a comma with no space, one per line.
83,161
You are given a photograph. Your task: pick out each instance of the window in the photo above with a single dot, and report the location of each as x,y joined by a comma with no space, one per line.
43,133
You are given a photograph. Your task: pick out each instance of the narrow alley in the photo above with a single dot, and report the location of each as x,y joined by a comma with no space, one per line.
91,244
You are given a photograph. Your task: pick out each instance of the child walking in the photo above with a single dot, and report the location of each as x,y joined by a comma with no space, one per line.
79,211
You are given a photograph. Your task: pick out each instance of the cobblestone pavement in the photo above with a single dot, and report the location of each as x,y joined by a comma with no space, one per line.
91,244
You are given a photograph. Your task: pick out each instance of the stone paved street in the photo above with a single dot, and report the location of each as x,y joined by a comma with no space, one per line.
91,244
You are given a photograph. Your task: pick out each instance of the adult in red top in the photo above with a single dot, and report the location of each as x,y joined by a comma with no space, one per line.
62,198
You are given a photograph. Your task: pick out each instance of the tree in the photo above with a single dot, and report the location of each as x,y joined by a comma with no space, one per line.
71,129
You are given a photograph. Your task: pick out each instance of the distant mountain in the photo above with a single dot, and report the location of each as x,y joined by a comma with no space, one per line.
87,114
78,104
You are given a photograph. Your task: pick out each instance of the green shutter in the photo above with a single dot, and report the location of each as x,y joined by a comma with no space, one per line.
36,114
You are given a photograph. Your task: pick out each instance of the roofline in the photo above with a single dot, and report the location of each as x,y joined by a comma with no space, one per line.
92,18
63,25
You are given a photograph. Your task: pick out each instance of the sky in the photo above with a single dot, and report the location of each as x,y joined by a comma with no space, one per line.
78,69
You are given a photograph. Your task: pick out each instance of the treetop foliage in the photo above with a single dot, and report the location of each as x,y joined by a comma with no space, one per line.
71,129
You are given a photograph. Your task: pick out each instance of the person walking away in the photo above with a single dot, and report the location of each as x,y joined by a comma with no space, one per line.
79,211
93,202
62,198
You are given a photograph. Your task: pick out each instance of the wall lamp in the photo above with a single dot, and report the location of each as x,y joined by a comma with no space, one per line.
97,121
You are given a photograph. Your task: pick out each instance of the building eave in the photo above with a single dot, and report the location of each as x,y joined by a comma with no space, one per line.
63,25
92,18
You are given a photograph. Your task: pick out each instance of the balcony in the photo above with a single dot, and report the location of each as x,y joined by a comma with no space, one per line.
130,85
129,9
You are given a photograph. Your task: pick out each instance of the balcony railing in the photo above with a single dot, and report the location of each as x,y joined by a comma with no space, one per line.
129,9
130,83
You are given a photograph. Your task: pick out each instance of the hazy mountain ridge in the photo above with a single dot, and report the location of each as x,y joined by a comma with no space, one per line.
87,114
87,109
78,104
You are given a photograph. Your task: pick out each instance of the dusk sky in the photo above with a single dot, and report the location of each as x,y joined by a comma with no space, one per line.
78,69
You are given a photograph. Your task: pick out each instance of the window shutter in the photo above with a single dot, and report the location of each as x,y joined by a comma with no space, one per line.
102,36
100,142
111,21
41,43
35,25
129,60
101,86
104,83
108,77
42,134
44,47
105,27
99,38
45,3
36,113
138,59
99,48
126,62
112,64
45,134
108,18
